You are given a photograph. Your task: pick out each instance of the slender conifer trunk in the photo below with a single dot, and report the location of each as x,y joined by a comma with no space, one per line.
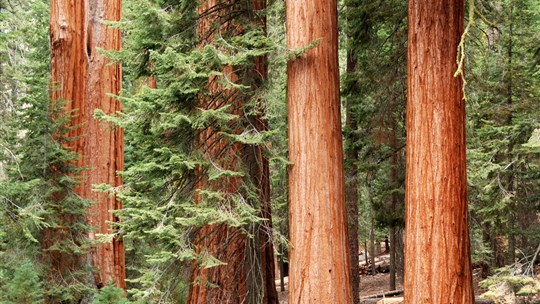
260,175
437,250
352,182
319,256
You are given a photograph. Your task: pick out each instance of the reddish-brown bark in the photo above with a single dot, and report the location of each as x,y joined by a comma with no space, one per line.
82,77
103,149
224,283
248,275
68,86
437,240
319,255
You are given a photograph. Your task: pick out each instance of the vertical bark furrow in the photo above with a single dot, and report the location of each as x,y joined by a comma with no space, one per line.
82,77
104,150
437,239
319,255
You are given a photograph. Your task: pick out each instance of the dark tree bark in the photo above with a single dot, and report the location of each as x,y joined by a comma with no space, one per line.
259,169
392,280
372,244
437,247
352,186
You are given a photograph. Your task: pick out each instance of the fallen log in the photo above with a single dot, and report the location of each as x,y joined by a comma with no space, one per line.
384,294
483,301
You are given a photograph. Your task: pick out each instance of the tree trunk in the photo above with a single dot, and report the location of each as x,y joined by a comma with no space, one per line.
82,78
394,201
227,282
352,188
437,233
510,175
282,273
68,88
103,146
259,171
367,253
319,255
400,258
372,243
392,281
248,275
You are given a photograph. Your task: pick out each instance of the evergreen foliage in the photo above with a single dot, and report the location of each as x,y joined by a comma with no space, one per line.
110,294
169,193
24,287
37,168
375,92
195,109
503,93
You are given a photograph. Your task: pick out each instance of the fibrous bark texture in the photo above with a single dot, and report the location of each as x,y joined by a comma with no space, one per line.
82,77
248,275
319,257
68,86
437,250
104,153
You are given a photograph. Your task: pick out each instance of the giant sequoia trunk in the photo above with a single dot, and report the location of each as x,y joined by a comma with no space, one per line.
82,78
68,86
104,146
247,275
319,255
437,246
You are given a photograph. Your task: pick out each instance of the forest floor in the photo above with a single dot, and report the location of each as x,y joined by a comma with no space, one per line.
371,284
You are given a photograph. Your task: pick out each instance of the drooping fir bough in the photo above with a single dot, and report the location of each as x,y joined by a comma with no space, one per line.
245,271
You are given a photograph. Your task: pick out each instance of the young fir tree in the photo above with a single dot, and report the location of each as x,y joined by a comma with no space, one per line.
351,158
375,92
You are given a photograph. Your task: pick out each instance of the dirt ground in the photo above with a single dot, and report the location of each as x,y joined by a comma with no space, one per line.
369,285
379,283
376,284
